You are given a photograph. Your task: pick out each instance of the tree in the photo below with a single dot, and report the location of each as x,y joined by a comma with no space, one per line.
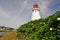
40,29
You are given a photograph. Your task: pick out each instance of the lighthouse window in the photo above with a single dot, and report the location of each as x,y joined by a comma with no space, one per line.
35,10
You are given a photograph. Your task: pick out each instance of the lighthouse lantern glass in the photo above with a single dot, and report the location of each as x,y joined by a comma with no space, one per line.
35,6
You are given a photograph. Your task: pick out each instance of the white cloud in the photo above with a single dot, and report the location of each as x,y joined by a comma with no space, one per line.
3,13
14,18
44,7
10,21
7,19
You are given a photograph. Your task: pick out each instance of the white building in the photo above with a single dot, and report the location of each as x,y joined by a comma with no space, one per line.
35,12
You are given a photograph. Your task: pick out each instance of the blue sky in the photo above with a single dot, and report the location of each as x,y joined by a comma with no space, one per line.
14,13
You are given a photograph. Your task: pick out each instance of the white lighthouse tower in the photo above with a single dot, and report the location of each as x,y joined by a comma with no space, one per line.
35,12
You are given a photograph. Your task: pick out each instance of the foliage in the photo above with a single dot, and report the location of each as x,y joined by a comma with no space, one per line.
40,29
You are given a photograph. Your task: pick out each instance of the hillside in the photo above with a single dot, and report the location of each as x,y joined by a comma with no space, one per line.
5,30
42,29
9,36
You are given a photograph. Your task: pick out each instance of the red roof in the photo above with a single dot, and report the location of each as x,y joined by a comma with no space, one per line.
35,5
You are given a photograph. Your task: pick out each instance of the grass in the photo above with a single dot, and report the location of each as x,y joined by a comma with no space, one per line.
9,36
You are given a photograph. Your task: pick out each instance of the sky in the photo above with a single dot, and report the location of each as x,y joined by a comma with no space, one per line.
14,13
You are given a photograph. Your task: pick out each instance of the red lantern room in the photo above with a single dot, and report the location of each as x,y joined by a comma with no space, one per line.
35,5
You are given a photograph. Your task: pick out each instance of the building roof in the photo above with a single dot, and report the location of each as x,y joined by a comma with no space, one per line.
35,5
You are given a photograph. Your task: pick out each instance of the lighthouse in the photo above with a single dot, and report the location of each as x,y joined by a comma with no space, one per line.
35,12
